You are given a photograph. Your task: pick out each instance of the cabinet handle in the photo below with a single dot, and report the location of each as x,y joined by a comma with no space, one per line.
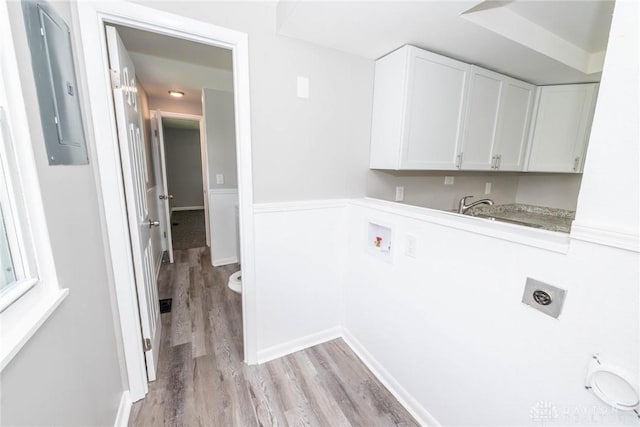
576,163
459,161
498,161
493,162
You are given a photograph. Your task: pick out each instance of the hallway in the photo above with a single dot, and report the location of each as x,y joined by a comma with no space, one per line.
188,229
202,380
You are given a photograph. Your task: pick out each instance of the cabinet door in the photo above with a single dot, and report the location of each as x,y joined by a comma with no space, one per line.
481,120
434,111
513,124
561,129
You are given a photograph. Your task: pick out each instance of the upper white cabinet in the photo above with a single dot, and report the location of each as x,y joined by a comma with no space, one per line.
562,125
497,122
418,111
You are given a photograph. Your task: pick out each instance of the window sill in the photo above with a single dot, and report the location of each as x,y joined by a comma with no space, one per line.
15,334
12,294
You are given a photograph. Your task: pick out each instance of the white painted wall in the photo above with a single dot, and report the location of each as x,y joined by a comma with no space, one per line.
427,189
450,328
220,131
303,149
184,166
71,371
610,196
551,190
300,259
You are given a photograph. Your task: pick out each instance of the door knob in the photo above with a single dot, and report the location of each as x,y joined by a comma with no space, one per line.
154,223
166,196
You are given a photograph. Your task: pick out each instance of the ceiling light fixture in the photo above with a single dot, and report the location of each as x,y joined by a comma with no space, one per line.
176,93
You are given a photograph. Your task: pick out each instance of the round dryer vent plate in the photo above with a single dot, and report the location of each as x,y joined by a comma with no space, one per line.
612,385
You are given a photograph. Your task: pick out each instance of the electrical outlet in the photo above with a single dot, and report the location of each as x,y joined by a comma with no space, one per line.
448,180
487,188
399,194
303,87
219,178
411,246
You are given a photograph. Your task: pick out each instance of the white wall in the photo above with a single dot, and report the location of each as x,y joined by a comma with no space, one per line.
302,148
223,221
300,256
610,196
219,123
427,189
449,326
551,190
71,371
184,166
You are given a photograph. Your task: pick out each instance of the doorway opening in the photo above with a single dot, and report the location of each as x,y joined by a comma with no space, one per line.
126,153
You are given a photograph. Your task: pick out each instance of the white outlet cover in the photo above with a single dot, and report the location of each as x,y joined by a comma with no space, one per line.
410,246
448,180
399,194
487,188
303,87
219,178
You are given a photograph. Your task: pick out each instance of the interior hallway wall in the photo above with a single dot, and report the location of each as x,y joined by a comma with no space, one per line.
303,149
71,372
184,167
219,122
175,106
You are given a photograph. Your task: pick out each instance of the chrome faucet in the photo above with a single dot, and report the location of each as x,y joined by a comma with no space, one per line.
463,207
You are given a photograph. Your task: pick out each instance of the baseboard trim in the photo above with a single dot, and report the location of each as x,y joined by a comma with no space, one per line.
399,392
298,344
606,237
224,261
124,410
187,208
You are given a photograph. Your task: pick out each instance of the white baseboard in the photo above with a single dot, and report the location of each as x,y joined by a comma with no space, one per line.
124,410
224,261
298,344
187,208
399,392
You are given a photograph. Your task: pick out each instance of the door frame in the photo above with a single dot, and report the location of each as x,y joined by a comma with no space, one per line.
90,18
204,158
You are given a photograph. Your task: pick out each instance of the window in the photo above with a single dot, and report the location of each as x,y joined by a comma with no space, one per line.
29,290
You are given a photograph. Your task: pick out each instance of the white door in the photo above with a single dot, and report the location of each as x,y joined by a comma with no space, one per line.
130,136
165,197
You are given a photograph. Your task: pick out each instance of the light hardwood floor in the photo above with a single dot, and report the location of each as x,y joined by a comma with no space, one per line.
202,380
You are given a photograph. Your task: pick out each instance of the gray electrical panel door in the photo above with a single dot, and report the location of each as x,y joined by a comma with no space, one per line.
54,73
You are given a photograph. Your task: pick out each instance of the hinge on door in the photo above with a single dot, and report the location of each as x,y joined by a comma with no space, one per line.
146,344
116,83
165,234
155,132
42,31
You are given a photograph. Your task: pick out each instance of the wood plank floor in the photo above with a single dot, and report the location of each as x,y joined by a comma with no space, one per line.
202,380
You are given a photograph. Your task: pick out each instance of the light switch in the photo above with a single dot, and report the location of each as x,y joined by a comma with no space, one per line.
448,180
487,188
410,246
399,194
303,87
219,178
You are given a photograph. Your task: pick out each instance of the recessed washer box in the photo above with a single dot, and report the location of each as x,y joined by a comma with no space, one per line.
380,240
544,297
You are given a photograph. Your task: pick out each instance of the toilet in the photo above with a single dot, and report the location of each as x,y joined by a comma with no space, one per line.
235,280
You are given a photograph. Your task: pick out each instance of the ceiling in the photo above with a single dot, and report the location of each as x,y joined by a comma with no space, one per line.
539,41
166,63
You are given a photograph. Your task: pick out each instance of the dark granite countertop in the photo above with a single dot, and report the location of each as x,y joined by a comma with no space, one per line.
527,215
